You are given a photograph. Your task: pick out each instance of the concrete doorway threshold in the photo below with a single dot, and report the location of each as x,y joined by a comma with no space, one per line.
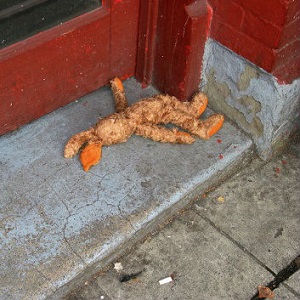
59,224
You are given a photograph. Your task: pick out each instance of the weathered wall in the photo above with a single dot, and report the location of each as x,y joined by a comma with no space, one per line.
251,97
266,32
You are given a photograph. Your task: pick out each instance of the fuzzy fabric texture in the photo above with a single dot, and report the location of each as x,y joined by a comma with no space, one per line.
144,118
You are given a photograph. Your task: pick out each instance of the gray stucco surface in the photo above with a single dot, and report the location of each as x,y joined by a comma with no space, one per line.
264,108
56,220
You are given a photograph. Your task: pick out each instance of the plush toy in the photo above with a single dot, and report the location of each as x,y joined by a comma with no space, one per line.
144,118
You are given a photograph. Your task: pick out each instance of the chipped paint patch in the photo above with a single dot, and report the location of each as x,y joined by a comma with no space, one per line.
245,78
251,97
245,116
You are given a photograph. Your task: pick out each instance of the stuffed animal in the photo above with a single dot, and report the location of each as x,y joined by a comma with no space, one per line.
144,118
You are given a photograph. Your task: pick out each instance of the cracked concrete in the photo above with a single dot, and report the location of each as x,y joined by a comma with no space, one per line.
218,248
58,221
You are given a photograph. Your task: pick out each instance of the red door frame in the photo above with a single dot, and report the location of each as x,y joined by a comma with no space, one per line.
59,65
172,36
159,41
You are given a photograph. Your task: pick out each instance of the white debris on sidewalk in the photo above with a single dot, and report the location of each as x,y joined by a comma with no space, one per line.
165,280
118,267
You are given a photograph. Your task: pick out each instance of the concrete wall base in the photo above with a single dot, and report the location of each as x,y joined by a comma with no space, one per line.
265,109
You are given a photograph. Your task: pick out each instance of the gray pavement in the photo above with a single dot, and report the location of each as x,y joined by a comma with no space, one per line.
59,225
228,242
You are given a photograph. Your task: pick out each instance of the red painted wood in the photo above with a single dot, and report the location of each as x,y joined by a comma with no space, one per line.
59,65
147,40
176,32
124,34
185,28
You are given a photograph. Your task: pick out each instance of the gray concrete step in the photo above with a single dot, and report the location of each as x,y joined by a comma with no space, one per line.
235,238
60,224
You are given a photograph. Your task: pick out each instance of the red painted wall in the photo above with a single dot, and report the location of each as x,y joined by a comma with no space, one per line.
266,32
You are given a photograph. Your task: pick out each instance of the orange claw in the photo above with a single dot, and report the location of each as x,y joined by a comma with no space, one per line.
90,155
181,133
118,83
203,107
216,127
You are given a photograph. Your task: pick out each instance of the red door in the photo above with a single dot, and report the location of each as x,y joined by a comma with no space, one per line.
159,41
61,64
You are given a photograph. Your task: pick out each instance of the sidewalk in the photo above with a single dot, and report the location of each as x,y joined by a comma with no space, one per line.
230,241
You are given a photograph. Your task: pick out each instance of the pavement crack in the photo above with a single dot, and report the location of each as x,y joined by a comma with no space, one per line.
107,203
126,218
282,276
64,233
236,243
279,278
43,275
69,244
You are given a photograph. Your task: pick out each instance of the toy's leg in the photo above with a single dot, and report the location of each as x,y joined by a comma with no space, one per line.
77,141
164,135
195,107
198,104
203,129
119,94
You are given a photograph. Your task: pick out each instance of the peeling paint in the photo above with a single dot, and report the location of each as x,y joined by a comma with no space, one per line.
251,97
219,92
246,77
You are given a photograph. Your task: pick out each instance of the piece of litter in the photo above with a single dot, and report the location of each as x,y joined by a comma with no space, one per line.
165,280
265,292
118,267
221,199
128,277
101,297
173,276
277,170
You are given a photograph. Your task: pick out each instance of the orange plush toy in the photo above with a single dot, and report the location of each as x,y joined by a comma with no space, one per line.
144,118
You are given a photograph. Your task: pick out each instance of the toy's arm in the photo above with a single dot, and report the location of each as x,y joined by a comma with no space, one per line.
91,154
119,94
164,135
77,141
